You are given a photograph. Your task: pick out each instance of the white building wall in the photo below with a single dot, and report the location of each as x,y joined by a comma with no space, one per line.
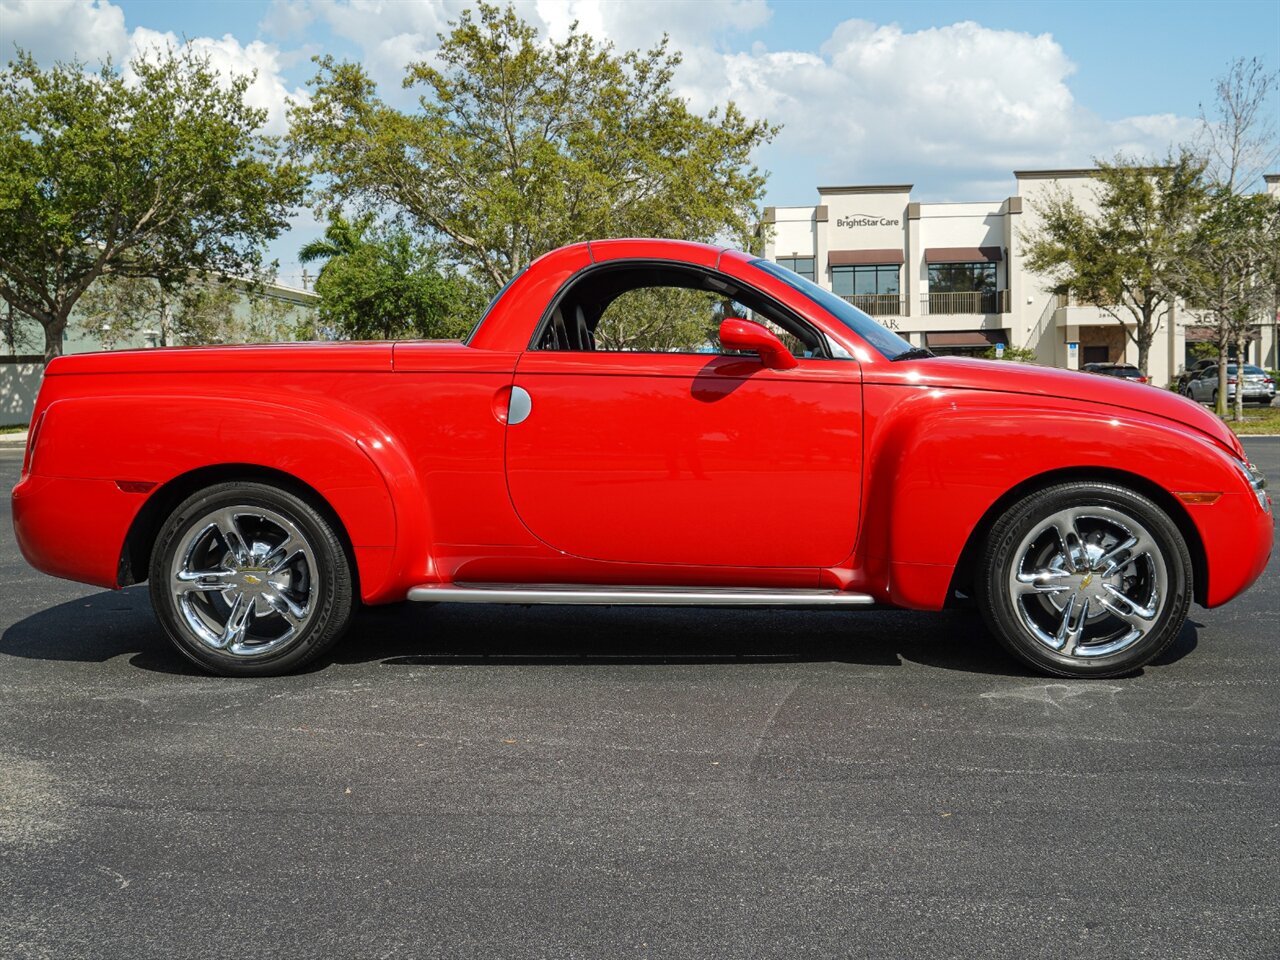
792,233
867,218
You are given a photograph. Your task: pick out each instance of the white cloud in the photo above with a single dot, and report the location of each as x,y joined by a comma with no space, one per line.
951,107
50,30
231,58
638,25
286,18
390,34
94,30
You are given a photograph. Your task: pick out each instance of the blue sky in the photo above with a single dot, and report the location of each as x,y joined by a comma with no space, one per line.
951,97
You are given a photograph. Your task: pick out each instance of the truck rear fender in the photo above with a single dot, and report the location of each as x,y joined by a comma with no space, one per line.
351,463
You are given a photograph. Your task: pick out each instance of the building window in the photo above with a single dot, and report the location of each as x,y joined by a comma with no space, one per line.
800,265
872,288
864,280
964,288
962,277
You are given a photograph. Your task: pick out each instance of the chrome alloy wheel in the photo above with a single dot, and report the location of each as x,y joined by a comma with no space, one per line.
243,579
1088,581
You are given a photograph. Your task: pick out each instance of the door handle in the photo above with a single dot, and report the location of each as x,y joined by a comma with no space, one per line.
520,407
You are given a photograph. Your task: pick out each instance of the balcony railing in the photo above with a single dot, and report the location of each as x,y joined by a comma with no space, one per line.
968,301
879,304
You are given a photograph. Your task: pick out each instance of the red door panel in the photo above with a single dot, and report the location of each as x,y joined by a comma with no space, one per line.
691,459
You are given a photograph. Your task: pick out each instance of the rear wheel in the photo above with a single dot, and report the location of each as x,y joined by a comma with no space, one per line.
250,580
1085,580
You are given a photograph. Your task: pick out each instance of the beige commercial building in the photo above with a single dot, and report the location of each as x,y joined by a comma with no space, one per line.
952,276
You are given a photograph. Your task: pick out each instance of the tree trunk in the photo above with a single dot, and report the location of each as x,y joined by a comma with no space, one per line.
1144,349
1220,406
1238,413
53,330
1143,336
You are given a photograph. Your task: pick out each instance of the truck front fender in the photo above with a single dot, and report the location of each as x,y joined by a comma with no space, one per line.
938,460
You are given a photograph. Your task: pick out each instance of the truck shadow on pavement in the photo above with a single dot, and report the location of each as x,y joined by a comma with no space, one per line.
112,624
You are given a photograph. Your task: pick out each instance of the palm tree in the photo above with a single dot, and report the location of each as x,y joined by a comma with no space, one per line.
342,237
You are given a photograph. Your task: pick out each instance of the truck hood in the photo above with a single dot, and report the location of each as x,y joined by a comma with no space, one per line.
1090,388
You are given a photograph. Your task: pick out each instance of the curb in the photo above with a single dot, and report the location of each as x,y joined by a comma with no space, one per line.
13,439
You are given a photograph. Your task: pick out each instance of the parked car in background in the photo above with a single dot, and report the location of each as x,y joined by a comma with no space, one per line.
1259,386
1193,371
1125,371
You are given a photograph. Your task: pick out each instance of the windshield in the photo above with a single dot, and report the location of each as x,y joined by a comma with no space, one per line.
886,342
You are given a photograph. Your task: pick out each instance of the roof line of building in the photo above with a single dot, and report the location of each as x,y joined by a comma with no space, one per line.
869,188
1052,174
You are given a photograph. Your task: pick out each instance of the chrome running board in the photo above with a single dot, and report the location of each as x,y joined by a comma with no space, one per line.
646,596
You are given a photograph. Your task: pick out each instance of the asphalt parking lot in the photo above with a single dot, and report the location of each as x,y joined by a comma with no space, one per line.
609,783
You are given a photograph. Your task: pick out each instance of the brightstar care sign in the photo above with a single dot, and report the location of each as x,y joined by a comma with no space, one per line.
867,220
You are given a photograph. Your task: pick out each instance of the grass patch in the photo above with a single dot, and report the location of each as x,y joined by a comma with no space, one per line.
1256,420
19,428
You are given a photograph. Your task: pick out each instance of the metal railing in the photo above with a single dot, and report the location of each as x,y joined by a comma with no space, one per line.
879,304
967,301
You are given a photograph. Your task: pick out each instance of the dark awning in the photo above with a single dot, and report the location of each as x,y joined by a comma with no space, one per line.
963,255
966,338
1210,334
849,258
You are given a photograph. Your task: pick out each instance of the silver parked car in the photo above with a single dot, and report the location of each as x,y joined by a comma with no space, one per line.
1258,385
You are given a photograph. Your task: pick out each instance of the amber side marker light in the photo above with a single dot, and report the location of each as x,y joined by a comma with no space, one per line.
1199,497
135,486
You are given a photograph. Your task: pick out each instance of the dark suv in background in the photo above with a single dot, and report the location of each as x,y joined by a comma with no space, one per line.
1125,371
1193,371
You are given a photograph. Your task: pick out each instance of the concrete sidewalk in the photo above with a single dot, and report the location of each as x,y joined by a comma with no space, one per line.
15,439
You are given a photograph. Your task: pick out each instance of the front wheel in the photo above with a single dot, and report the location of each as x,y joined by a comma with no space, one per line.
250,580
1085,580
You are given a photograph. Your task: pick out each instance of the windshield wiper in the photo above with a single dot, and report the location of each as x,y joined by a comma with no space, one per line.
915,353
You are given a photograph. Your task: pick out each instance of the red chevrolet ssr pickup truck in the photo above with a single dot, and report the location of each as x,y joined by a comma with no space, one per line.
783,450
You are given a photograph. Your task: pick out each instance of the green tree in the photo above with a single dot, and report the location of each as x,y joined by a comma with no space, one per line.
519,146
1234,277
1231,278
661,319
115,308
14,331
1015,354
158,178
199,312
1238,133
386,285
341,237
1126,258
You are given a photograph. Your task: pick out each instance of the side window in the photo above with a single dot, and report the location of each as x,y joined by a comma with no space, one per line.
661,320
660,308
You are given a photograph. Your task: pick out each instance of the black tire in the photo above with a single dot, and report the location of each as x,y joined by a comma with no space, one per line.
298,610
1021,617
